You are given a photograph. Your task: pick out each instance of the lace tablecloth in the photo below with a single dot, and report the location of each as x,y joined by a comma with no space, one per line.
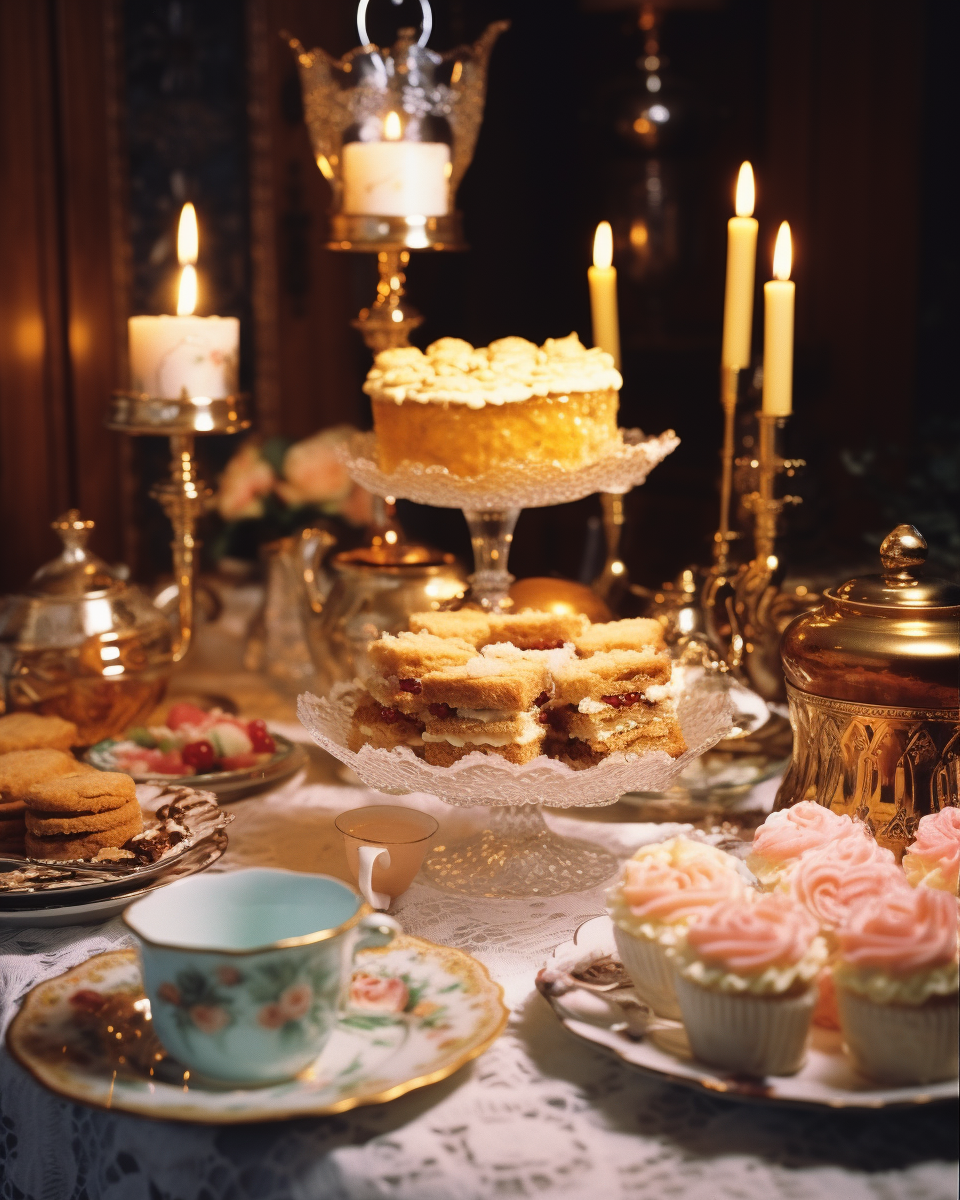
539,1115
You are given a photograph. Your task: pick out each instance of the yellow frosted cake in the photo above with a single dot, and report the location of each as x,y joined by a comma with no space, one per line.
475,411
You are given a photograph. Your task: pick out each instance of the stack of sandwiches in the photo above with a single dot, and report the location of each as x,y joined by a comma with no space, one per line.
519,686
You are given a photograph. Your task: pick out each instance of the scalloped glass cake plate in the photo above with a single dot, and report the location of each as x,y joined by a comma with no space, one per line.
516,855
532,485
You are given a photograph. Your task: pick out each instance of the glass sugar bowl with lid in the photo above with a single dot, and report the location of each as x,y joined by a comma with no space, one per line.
82,644
873,681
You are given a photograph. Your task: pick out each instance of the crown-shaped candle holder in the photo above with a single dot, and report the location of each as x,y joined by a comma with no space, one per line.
393,132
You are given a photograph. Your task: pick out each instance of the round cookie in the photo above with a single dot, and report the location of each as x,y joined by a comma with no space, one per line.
21,769
30,731
44,825
10,810
86,845
88,791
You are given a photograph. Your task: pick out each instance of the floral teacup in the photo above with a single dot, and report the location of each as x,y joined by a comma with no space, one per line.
246,971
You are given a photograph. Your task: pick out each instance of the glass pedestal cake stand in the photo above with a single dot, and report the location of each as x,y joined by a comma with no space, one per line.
516,854
491,504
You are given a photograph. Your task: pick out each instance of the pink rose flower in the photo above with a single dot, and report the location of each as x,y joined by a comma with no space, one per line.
312,472
296,1001
229,976
244,483
271,1016
209,1018
169,992
378,995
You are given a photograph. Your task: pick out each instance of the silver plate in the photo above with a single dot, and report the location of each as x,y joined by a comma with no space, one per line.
231,785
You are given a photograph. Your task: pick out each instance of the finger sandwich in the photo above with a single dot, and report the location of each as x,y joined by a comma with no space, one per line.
617,700
487,704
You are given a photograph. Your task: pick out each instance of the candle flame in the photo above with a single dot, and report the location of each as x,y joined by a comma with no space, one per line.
188,238
603,245
392,129
783,253
746,191
187,298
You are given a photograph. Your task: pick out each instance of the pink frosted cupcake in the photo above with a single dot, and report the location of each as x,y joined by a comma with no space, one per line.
746,977
661,890
897,986
934,858
830,882
787,834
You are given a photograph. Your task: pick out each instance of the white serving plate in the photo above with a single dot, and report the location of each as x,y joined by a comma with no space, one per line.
827,1079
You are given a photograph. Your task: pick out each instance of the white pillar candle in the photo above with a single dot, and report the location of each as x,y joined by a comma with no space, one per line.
394,178
170,355
778,297
741,268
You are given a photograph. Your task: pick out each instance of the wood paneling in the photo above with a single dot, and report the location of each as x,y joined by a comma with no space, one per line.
58,304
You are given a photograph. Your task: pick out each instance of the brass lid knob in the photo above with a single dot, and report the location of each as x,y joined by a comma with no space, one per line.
903,584
902,549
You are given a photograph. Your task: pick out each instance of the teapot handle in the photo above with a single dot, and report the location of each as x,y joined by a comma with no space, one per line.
314,545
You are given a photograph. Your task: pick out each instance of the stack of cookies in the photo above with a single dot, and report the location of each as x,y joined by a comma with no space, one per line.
77,815
19,771
519,686
28,731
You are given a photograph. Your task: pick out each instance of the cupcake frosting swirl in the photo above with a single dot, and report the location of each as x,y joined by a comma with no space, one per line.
832,880
665,886
789,833
901,947
764,945
934,857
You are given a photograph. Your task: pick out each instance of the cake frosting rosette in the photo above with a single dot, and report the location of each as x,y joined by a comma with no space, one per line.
661,890
745,976
897,986
786,835
934,857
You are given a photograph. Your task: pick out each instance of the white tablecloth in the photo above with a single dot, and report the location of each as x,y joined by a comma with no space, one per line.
539,1115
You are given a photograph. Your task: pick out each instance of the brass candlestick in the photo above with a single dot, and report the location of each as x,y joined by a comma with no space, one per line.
184,496
760,610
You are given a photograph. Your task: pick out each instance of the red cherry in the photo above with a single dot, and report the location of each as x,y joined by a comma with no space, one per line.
260,738
413,686
442,710
541,699
199,755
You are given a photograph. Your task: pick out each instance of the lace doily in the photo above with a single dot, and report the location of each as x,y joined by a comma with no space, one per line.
531,486
539,1115
705,717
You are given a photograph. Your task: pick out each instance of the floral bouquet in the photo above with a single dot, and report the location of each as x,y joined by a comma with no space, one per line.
272,487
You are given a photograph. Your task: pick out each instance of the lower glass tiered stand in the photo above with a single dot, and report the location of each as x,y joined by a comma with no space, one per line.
515,854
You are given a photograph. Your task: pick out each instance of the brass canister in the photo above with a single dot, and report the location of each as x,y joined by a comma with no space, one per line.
873,680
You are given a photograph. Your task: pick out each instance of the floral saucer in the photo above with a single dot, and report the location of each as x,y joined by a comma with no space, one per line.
416,1013
585,984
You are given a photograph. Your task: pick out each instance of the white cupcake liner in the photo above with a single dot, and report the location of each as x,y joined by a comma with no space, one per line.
647,964
753,1035
900,1044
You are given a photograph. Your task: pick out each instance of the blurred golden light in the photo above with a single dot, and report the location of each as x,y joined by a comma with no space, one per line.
603,246
641,125
783,253
187,296
188,236
639,234
746,191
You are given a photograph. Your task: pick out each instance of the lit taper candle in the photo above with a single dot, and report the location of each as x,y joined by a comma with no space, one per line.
741,271
778,297
602,277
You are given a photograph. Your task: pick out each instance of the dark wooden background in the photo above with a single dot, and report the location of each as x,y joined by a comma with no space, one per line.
837,102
